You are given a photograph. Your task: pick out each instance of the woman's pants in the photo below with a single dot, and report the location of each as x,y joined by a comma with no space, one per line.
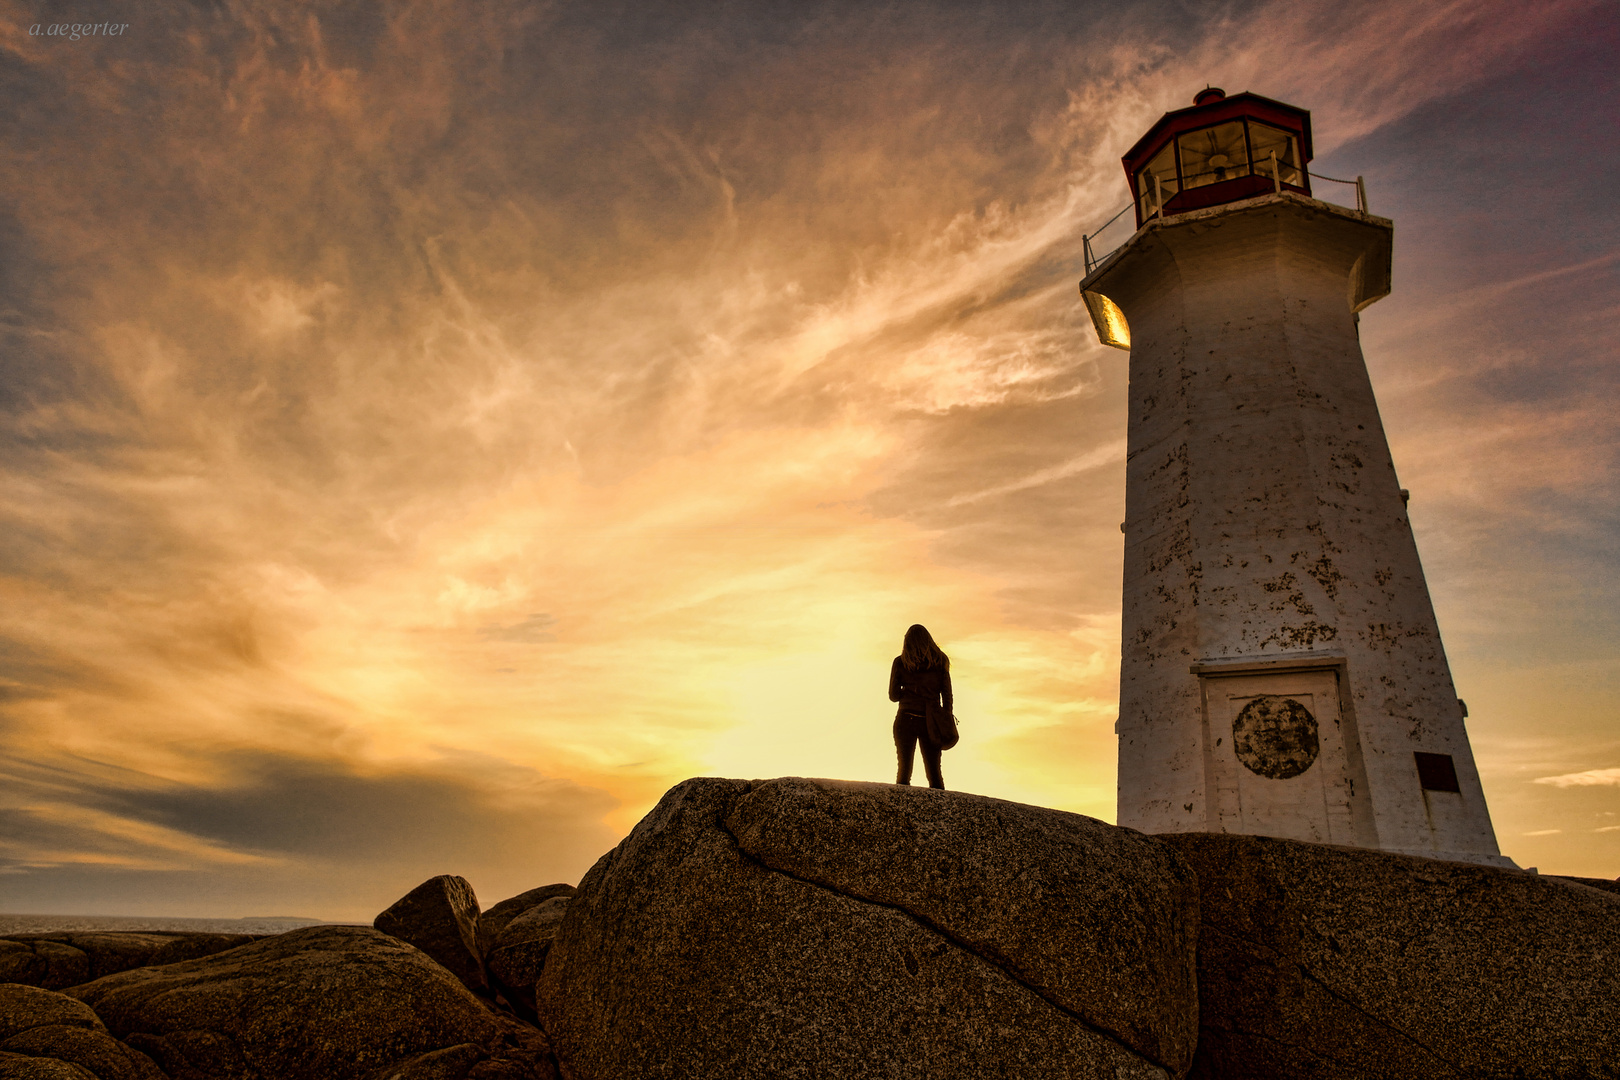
909,730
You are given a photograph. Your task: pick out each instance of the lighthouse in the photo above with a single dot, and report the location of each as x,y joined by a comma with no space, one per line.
1281,669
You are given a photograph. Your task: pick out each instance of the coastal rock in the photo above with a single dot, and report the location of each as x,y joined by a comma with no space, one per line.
1606,884
59,960
1327,962
440,917
519,953
96,1053
41,962
45,1034
320,1003
20,1067
23,1008
811,927
493,921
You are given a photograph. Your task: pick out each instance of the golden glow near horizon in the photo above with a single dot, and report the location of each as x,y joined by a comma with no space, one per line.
433,432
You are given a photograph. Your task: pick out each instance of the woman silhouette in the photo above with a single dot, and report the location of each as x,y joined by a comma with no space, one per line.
920,676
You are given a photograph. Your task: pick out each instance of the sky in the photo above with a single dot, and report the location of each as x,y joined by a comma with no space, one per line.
430,431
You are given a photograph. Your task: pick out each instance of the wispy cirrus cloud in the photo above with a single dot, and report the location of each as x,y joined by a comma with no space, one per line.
1589,778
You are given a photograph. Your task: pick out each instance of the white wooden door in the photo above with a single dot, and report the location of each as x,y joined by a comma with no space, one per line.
1276,756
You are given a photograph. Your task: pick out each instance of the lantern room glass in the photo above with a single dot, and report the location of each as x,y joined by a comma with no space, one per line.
1213,154
1157,183
1265,141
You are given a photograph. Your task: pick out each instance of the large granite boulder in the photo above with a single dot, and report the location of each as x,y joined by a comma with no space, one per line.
45,1034
320,1003
1327,962
55,961
519,953
817,928
493,921
440,917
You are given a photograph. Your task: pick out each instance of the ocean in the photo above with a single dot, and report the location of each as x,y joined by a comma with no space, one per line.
50,924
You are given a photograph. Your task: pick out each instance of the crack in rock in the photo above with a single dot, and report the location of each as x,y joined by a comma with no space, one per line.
934,928
1272,1040
1279,961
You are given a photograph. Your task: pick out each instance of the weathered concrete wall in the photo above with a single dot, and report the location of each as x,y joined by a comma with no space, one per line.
1265,525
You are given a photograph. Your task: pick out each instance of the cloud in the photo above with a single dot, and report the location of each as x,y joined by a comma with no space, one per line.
536,628
1589,778
1110,454
266,813
1543,832
40,837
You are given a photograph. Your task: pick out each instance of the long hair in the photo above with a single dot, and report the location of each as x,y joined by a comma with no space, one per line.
920,652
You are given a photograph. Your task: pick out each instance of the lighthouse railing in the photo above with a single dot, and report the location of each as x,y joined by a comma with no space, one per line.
1359,183
1093,260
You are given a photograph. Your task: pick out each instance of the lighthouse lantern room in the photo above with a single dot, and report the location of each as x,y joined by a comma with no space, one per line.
1220,150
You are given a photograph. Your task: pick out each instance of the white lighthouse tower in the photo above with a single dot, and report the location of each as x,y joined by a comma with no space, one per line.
1281,670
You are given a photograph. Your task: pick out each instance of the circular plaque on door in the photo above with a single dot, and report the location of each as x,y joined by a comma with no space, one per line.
1275,737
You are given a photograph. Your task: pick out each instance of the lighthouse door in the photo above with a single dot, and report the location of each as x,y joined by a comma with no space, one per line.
1276,757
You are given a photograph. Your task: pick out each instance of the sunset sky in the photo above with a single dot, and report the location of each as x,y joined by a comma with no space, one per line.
430,431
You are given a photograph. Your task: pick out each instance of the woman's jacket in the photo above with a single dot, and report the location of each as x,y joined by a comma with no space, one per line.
915,689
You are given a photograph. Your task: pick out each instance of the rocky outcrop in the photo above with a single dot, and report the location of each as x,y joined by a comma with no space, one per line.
440,917
45,1034
493,921
799,927
55,961
519,953
1325,962
1591,882
816,928
321,1003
